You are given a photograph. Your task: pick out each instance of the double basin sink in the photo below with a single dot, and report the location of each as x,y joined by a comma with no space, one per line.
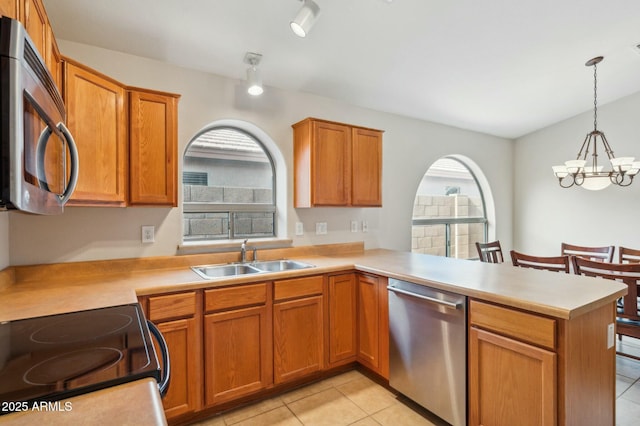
234,269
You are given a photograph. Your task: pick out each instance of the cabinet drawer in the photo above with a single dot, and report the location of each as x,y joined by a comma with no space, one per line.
234,297
522,326
298,287
172,306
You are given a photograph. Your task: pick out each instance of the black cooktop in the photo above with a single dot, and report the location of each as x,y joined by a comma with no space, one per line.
59,356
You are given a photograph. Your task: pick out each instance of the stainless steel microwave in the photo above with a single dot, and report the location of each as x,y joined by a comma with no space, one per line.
38,157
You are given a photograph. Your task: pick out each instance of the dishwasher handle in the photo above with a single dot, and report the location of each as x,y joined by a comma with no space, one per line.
453,305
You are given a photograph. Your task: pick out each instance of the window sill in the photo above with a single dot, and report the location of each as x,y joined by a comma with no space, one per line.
197,247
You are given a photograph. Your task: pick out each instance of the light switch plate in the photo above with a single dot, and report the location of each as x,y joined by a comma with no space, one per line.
321,228
148,234
354,226
299,228
365,226
611,336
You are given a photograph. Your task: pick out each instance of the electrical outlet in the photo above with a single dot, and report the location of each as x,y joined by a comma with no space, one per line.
365,226
354,226
299,228
321,228
610,336
148,234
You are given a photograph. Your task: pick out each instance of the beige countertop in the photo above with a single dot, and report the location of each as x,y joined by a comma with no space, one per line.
136,403
51,289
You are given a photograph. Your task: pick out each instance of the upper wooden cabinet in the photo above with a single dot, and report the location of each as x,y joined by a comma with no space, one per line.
33,16
153,152
336,164
126,138
10,8
96,117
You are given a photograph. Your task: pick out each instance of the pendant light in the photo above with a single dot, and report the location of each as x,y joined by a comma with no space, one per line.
585,171
254,80
305,18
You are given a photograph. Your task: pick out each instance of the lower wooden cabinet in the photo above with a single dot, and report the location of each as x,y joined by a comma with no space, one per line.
183,394
373,323
177,318
237,343
510,382
342,319
298,328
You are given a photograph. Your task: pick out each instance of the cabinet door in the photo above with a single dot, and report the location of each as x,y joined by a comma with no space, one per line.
366,172
510,382
368,321
183,393
34,19
96,118
373,323
331,164
54,61
342,318
10,8
297,338
153,140
237,353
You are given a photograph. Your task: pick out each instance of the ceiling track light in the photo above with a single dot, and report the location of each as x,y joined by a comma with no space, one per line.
305,18
254,80
585,171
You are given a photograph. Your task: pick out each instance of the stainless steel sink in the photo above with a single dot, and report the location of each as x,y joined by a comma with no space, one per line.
234,269
220,271
280,265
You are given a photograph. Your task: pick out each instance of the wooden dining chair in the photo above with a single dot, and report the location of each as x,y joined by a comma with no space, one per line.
549,263
490,252
628,307
628,255
600,254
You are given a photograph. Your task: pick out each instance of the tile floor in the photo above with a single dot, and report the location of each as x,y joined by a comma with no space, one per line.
353,399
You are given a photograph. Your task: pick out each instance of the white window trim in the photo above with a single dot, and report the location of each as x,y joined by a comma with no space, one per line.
280,170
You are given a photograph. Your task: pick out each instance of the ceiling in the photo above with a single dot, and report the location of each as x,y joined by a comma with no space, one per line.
502,67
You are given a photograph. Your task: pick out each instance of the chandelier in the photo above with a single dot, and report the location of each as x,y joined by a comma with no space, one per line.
585,171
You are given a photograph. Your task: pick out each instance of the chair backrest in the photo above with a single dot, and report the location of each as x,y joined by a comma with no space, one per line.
628,255
600,254
552,263
490,252
629,273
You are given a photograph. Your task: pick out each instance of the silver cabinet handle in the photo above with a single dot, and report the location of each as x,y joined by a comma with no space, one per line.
452,305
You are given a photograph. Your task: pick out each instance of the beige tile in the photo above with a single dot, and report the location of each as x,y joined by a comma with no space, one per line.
400,415
633,394
328,407
628,367
212,421
323,385
627,413
367,395
622,384
367,421
280,416
253,410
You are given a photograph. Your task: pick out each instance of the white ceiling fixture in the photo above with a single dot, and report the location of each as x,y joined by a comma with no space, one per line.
305,18
254,79
592,176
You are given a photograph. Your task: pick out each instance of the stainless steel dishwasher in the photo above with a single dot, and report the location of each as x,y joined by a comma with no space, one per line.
428,348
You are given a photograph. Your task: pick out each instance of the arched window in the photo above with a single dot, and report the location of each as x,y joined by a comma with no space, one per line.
228,187
449,210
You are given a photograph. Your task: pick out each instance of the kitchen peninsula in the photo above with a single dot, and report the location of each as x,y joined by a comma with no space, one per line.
557,323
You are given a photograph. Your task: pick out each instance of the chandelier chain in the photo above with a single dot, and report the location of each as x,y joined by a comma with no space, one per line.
595,97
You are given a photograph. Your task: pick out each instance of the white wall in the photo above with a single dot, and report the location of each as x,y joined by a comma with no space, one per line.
410,146
546,215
